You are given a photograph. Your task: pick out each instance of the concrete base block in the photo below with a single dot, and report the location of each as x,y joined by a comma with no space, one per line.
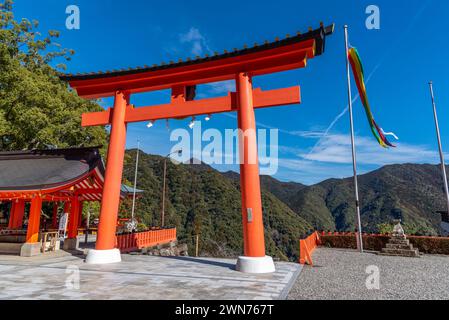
103,256
255,265
71,244
10,248
30,249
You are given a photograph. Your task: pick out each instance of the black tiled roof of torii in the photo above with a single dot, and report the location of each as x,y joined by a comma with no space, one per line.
318,34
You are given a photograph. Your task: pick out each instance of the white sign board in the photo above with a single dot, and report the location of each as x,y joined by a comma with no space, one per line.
63,224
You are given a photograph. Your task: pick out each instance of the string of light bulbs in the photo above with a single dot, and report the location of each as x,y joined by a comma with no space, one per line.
191,123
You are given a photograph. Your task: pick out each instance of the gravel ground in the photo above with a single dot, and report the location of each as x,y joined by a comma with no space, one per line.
342,275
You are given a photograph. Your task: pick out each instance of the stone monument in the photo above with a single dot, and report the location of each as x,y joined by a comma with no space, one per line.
399,245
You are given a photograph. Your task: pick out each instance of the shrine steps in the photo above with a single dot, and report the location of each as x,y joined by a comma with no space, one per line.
400,247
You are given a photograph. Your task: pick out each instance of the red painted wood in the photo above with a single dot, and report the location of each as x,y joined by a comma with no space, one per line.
268,61
262,99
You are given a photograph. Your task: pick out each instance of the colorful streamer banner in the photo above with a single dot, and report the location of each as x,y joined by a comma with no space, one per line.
357,69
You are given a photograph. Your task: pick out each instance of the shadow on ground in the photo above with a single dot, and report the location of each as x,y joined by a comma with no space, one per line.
205,261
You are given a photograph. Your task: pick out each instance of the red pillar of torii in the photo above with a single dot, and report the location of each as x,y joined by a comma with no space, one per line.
181,78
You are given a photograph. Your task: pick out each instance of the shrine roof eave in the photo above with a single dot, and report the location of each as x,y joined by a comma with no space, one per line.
47,170
55,175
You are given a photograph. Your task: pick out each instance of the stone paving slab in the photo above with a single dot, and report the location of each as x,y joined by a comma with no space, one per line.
139,277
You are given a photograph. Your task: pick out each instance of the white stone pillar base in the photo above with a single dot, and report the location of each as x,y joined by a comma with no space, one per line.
255,265
103,256
30,249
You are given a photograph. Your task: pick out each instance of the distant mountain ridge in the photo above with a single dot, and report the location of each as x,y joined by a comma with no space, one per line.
203,200
411,192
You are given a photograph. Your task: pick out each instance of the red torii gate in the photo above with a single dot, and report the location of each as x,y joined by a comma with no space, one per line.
182,77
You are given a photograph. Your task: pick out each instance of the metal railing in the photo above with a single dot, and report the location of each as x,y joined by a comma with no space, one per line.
139,240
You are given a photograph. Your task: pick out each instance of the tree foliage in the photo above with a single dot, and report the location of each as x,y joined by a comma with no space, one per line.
37,110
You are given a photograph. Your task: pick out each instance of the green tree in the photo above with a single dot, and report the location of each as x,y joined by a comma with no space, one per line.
37,109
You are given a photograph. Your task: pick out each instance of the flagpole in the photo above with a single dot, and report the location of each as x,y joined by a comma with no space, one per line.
135,182
354,157
440,146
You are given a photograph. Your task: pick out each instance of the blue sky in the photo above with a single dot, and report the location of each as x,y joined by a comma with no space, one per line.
410,49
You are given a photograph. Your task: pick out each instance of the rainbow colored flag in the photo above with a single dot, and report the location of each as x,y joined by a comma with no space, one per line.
357,69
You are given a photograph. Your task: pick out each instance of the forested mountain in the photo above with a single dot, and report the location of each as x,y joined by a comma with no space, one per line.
411,192
201,200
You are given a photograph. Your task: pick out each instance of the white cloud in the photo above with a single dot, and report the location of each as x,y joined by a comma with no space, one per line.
222,87
332,157
336,148
307,134
197,41
311,172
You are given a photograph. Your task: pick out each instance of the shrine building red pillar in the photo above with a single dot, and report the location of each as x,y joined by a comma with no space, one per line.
32,245
67,207
72,228
17,213
34,220
12,216
80,214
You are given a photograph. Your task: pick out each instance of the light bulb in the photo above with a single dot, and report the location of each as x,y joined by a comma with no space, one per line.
150,124
192,123
208,117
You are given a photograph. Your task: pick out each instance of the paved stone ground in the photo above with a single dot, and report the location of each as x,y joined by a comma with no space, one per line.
139,277
341,275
